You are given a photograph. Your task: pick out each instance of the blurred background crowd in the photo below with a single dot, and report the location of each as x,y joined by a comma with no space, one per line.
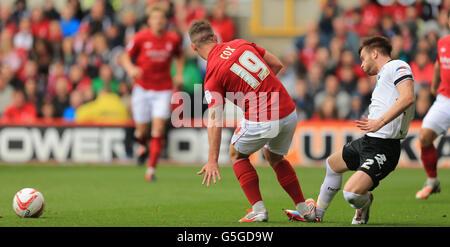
64,63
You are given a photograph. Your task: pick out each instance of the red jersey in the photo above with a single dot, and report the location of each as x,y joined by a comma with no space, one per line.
237,71
153,56
26,113
443,57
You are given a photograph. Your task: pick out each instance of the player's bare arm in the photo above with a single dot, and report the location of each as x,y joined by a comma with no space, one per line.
436,79
132,70
211,168
179,65
405,99
273,62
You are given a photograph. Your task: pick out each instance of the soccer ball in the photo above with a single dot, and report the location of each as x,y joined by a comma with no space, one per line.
28,203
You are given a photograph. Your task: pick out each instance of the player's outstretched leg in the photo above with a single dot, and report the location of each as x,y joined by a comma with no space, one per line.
356,193
335,167
429,157
249,181
362,205
288,180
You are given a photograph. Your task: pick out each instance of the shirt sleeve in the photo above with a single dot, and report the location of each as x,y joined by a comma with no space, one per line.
260,50
214,91
133,46
402,72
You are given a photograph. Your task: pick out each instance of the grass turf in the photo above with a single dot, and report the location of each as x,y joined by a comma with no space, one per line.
118,196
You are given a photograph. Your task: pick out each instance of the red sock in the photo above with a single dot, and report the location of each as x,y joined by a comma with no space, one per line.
288,180
155,150
429,157
248,178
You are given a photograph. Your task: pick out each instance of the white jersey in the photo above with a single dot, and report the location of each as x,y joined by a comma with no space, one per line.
385,94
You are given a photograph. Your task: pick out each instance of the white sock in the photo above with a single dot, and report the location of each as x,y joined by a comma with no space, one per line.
330,186
356,201
259,207
150,170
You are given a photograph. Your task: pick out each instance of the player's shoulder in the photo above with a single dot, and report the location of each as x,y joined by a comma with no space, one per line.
444,40
397,65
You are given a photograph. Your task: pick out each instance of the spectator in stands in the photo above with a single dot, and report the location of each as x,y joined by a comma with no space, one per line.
423,102
85,64
364,90
31,93
42,54
96,21
307,54
397,48
6,93
56,71
388,26
349,39
39,24
47,112
8,75
107,108
69,23
105,81
328,110
67,54
76,100
356,110
50,11
14,58
348,79
323,57
78,78
101,53
20,11
19,111
23,39
303,101
314,78
222,25
6,19
341,97
422,68
61,99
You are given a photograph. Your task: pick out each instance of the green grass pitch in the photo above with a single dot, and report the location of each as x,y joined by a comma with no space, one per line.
118,196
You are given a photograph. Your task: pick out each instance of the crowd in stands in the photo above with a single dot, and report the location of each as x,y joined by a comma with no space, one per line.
65,63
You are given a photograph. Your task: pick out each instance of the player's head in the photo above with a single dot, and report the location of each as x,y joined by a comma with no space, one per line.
201,34
157,18
372,50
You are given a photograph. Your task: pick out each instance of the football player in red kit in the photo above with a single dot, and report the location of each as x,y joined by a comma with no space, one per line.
437,119
246,74
153,50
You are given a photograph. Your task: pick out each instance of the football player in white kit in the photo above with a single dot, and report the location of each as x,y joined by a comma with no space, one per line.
376,154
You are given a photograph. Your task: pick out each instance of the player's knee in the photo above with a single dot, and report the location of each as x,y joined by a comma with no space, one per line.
426,138
355,200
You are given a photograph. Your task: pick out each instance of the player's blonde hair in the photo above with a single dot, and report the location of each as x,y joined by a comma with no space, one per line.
201,32
156,7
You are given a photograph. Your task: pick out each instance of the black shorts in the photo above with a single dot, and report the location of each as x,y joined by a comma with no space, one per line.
375,156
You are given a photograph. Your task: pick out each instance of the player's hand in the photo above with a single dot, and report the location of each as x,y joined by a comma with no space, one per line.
134,72
369,125
178,81
211,170
433,91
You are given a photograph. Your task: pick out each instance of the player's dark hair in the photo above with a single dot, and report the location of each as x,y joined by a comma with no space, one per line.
201,32
382,44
